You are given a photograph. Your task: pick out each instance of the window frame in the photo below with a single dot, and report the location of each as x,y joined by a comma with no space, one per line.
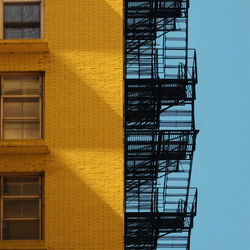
2,2
40,97
3,197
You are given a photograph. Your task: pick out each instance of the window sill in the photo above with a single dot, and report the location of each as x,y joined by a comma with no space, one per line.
22,245
23,147
23,45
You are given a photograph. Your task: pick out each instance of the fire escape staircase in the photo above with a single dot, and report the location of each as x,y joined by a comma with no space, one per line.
160,134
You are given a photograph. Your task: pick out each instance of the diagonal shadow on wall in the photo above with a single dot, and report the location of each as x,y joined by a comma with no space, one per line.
76,217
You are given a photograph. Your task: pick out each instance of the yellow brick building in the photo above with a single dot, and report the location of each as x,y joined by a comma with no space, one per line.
83,124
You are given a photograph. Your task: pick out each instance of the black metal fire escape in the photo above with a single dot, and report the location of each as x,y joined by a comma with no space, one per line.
160,134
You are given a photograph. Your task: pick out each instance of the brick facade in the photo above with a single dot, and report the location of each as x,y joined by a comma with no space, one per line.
83,125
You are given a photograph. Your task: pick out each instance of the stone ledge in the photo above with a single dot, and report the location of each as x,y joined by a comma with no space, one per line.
23,147
23,45
22,245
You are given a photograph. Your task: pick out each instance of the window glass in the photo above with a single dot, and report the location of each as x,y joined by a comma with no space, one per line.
21,230
20,186
29,33
21,20
31,12
12,12
12,33
12,130
21,129
14,208
17,85
21,108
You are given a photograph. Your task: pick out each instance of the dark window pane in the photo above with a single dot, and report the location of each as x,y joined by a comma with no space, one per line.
22,21
12,33
21,208
31,187
31,33
21,230
12,13
21,186
11,187
31,12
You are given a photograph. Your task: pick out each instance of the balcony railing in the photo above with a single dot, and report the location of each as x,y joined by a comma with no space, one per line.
160,145
159,8
165,64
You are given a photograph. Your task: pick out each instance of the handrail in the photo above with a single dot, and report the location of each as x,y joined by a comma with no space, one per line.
164,67
190,206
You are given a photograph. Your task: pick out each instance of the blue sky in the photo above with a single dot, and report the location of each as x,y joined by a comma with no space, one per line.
220,30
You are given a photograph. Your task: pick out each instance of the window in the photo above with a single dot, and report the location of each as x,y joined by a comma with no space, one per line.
21,106
22,19
21,207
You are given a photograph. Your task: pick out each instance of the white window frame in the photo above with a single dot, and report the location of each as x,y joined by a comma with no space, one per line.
2,2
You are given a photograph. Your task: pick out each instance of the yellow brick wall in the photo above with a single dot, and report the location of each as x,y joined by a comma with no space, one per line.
83,123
